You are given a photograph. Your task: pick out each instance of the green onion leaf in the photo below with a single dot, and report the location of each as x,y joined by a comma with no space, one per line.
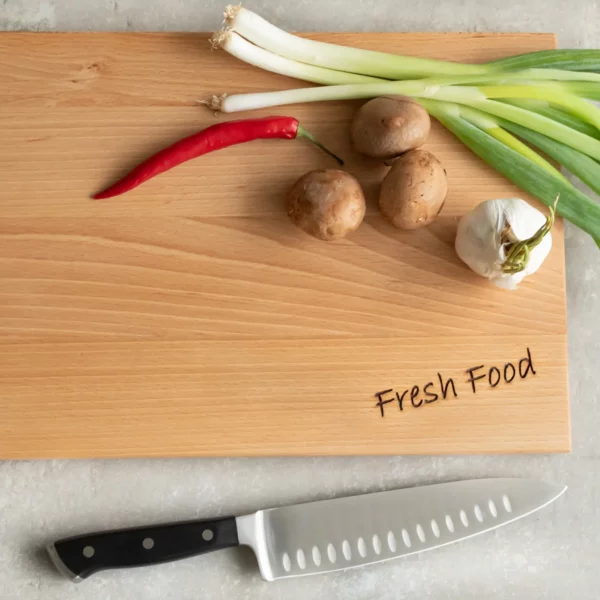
574,205
557,131
552,93
570,60
584,167
591,91
543,108
492,126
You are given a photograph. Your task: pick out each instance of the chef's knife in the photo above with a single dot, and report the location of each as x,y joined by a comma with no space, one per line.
317,537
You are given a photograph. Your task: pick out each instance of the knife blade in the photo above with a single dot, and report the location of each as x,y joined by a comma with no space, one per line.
322,536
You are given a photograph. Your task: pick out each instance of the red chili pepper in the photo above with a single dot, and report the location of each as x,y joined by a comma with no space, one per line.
212,138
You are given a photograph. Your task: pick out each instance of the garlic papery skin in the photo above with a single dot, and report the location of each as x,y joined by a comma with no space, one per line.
485,235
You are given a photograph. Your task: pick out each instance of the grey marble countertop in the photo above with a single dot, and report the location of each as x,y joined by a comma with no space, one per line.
553,554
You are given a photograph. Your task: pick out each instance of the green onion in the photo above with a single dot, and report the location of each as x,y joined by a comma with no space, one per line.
239,102
543,108
237,46
260,32
584,89
331,56
550,75
552,93
543,125
570,60
492,126
574,205
582,166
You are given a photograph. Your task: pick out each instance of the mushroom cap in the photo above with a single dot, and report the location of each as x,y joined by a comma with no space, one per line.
387,127
414,190
327,203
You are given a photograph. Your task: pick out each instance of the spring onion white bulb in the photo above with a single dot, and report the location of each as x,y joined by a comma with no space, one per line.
341,58
241,48
504,240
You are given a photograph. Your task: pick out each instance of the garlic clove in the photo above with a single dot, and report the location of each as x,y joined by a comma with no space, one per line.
478,239
524,219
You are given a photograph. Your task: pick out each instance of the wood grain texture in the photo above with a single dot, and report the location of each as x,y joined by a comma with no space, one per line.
191,318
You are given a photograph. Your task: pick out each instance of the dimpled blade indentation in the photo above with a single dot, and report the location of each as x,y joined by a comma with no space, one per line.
331,553
406,538
478,513
346,550
376,544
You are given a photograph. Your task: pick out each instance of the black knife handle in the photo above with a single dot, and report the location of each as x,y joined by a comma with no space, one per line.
83,555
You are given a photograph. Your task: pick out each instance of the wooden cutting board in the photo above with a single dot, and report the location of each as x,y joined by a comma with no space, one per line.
190,318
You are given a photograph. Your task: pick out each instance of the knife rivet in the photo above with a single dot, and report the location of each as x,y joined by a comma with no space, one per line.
148,543
89,551
208,535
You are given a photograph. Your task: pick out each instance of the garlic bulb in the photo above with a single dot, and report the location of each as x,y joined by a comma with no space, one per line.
504,240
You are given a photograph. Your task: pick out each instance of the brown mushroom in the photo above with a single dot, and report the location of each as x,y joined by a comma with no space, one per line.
389,126
326,203
414,190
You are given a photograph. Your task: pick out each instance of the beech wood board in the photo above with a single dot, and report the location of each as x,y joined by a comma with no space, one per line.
191,318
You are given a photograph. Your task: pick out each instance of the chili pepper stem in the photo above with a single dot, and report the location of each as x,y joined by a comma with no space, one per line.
305,134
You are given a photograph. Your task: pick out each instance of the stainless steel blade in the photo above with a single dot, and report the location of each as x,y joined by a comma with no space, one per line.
342,533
